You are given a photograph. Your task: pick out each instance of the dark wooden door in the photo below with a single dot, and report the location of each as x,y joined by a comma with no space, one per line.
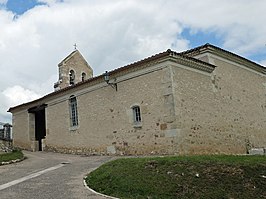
40,129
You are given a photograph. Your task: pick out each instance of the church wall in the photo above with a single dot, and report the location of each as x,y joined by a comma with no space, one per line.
195,110
20,130
106,119
242,98
183,111
223,113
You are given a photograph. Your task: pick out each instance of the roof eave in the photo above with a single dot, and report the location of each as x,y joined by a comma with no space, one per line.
225,54
190,61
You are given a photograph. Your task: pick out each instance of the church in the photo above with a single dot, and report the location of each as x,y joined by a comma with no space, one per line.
201,101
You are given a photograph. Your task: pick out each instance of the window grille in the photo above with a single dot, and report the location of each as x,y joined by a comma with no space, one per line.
73,111
136,114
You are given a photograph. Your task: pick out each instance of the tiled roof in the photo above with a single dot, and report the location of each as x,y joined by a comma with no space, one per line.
100,78
207,46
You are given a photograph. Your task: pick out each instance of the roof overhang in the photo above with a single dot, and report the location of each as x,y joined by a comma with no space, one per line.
168,55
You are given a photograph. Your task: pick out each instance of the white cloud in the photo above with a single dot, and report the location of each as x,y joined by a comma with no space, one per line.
48,1
240,22
18,94
3,2
111,34
263,63
13,96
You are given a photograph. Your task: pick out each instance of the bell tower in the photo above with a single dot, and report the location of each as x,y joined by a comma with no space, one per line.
73,69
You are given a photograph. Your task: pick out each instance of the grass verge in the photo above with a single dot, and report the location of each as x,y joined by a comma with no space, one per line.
182,177
14,155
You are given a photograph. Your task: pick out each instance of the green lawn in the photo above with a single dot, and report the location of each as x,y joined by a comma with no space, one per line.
182,177
5,157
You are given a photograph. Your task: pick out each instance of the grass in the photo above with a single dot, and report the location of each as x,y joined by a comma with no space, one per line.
14,155
182,177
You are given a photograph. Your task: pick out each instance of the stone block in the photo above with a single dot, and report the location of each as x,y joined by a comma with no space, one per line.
257,151
43,144
172,133
111,150
169,119
163,126
34,146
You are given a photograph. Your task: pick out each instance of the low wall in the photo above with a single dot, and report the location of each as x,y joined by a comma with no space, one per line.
6,145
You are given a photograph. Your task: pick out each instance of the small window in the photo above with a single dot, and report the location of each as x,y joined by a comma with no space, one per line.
73,111
136,115
60,73
83,76
71,77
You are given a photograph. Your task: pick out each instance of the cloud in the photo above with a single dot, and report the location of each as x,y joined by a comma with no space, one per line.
111,34
240,23
3,2
50,2
18,94
13,96
263,62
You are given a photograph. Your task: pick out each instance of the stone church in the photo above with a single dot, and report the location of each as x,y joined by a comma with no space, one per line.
202,101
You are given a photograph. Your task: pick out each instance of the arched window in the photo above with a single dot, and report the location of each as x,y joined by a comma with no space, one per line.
83,76
136,114
71,77
73,109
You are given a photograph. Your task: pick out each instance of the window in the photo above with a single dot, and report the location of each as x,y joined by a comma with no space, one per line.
136,115
83,76
73,111
60,73
71,77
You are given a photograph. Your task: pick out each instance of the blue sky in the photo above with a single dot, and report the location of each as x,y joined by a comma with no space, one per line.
199,38
21,6
37,34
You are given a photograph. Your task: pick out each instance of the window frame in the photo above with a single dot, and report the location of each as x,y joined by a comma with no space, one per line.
137,118
73,112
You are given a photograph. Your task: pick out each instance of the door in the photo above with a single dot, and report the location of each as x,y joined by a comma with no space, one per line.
40,131
40,124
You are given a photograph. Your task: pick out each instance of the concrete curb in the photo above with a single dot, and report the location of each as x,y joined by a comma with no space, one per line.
97,193
12,161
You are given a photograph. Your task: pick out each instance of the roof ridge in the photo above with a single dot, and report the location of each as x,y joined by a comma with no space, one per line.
196,48
68,56
220,49
144,61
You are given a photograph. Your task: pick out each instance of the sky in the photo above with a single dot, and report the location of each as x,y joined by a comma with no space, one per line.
35,35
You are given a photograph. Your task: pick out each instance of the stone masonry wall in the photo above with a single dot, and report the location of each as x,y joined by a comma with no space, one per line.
79,65
184,111
21,130
106,119
242,95
5,145
221,113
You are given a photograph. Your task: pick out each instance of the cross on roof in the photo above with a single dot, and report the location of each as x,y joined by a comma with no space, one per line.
75,46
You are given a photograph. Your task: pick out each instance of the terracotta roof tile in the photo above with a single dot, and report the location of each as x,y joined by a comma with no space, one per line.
197,50
100,78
